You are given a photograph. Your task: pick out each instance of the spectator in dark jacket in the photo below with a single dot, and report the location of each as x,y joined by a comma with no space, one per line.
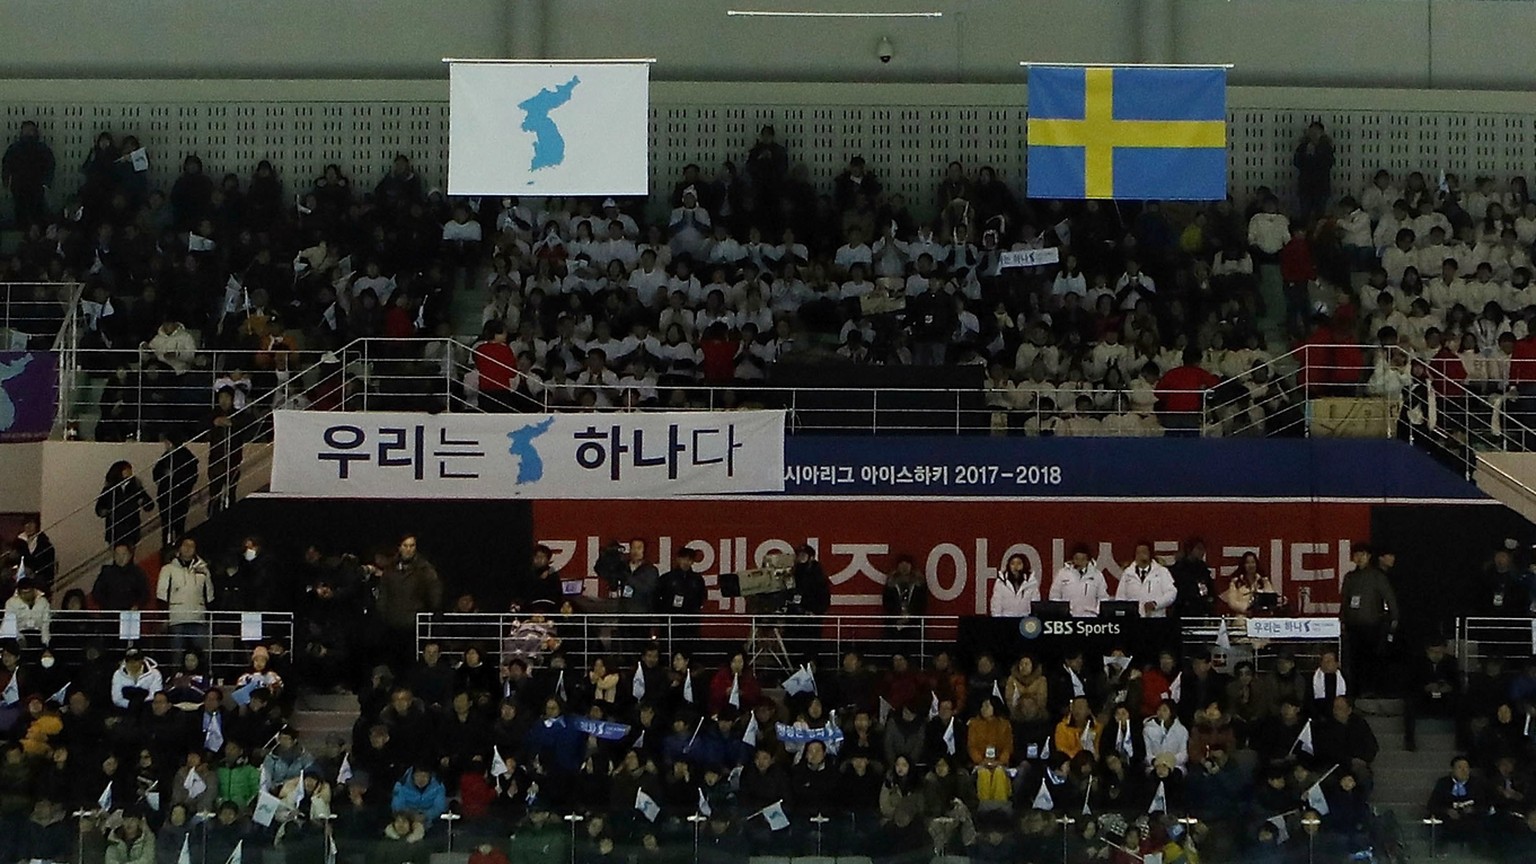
121,584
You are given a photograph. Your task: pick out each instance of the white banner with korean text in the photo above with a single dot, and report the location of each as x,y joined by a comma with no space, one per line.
634,455
1294,628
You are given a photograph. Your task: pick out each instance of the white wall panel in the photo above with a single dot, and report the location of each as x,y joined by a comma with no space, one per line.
907,131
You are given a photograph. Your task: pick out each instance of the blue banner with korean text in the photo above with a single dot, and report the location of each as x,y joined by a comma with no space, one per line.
1162,468
612,455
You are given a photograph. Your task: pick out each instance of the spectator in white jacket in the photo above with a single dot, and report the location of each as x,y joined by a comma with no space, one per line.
29,610
1147,583
1080,584
173,346
186,588
1269,230
1016,589
136,680
1378,198
1166,738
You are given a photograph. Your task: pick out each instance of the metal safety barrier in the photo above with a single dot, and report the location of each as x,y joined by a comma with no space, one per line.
773,642
226,638
1508,641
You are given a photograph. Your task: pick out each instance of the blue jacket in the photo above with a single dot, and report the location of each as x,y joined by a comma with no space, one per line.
430,802
561,745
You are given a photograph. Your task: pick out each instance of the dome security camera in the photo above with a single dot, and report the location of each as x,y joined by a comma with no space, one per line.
885,50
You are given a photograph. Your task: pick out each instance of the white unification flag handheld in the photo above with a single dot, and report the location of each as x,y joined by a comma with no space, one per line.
267,806
997,692
1043,799
213,736
704,808
344,773
1176,689
933,707
734,697
548,128
774,813
298,792
647,805
1304,739
750,736
1316,799
62,696
105,801
949,737
688,688
12,693
237,856
185,857
1159,799
885,710
195,785
1223,638
498,765
637,687
803,681
1282,834
265,778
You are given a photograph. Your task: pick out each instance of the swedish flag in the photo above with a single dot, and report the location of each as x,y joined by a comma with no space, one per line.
1128,132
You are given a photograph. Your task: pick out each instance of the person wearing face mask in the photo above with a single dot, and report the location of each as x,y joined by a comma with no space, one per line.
186,589
254,580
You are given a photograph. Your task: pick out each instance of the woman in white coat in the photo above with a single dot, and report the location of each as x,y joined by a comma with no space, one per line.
1016,589
1165,737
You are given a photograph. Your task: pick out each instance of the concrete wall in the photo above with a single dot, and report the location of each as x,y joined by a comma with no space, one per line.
1358,43
21,477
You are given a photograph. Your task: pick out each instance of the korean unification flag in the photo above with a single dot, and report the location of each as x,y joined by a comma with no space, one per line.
195,786
1282,834
344,773
1043,799
237,856
1316,800
213,736
637,686
12,693
1159,799
803,681
1304,739
185,857
647,805
104,803
949,737
750,736
1131,133
774,813
548,128
704,808
933,707
498,765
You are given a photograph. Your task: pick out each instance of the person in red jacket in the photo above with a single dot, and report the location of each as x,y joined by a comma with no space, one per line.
1181,395
497,366
1297,270
719,360
734,685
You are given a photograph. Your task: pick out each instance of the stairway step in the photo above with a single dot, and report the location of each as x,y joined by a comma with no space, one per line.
340,702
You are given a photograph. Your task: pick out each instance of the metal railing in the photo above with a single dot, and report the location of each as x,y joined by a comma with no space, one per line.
38,316
1506,640
773,642
226,638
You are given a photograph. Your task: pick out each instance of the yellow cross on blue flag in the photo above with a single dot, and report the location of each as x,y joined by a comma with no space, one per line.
1128,132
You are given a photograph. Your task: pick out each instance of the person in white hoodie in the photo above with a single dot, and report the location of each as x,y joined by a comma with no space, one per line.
1016,590
1147,583
1165,737
1080,584
1268,231
136,680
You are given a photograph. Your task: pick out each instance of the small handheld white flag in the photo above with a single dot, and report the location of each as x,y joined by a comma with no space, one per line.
267,806
237,856
186,851
1316,800
265,778
1176,689
933,707
997,692
344,773
104,803
647,805
1223,638
949,737
498,765
1087,792
1043,799
637,687
213,736
194,784
750,736
1159,799
1304,739
688,688
704,808
1282,834
803,681
885,710
298,792
734,697
774,813
12,693
62,696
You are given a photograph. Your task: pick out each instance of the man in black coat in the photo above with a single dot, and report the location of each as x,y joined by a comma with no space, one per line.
680,591
121,585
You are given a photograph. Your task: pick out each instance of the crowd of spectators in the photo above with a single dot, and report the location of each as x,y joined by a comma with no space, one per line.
606,302
1199,752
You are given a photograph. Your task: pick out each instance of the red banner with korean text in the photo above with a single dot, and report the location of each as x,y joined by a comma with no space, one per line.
959,545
